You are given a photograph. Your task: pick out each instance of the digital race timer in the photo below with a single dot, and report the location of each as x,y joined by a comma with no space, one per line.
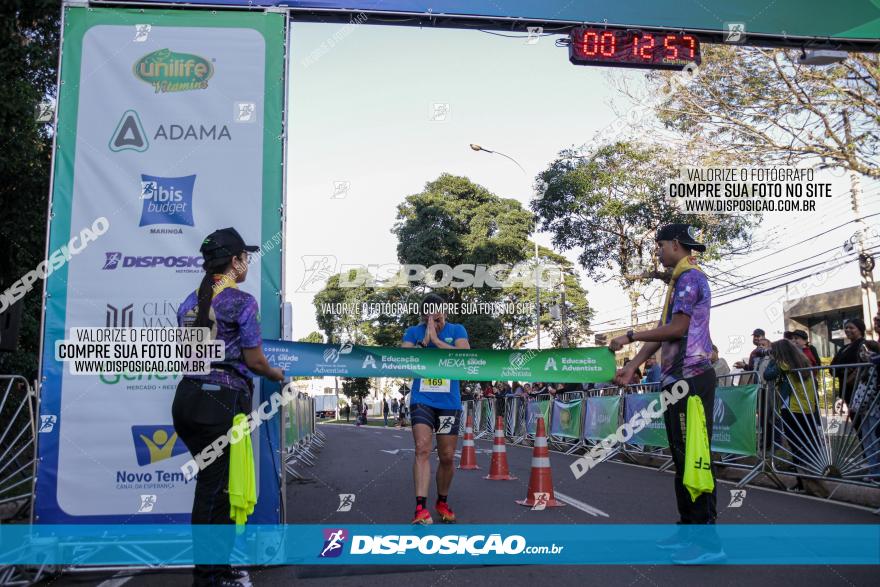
630,48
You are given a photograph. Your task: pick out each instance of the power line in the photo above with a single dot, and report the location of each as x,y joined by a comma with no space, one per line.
777,286
755,280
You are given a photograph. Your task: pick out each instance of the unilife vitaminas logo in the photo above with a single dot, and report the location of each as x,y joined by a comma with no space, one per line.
168,71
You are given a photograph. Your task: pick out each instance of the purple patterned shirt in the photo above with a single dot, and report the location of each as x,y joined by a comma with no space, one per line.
236,318
688,356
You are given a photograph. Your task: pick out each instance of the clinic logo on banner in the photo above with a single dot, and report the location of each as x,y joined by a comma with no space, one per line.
167,200
168,71
155,443
334,540
129,134
122,317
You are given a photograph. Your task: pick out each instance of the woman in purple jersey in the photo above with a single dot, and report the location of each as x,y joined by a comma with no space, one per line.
205,405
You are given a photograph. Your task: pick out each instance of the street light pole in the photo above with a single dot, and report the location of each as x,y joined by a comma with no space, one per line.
476,147
479,148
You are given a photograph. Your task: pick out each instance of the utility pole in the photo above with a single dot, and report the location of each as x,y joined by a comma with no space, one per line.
537,297
866,261
563,311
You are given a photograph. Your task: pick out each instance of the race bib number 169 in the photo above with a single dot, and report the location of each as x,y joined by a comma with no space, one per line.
435,385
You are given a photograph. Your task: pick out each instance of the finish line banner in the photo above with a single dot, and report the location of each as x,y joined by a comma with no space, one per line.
781,18
592,365
464,544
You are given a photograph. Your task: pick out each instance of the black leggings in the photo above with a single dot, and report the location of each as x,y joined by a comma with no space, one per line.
202,412
701,511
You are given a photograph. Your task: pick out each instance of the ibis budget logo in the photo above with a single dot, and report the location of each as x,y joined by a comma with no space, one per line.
155,443
168,71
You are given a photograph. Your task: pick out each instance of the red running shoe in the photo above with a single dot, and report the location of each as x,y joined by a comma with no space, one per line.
447,516
423,516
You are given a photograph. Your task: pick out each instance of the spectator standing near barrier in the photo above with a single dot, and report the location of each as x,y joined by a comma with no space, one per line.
386,409
796,403
435,409
394,408
758,335
719,365
682,336
652,370
205,405
800,339
865,407
848,355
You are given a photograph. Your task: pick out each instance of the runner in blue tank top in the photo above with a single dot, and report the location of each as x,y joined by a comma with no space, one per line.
435,407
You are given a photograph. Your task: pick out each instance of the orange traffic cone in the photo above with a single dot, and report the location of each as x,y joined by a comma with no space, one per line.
468,451
541,479
499,470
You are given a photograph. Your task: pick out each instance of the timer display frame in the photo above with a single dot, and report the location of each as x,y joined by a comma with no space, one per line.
633,48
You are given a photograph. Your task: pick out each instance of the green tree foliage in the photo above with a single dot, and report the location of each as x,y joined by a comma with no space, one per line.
609,203
453,221
28,59
312,336
762,106
356,388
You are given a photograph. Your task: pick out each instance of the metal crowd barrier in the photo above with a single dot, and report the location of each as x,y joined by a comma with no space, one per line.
301,437
658,449
18,446
18,466
823,425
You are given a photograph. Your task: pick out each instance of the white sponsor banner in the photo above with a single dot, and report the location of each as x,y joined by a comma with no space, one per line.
169,147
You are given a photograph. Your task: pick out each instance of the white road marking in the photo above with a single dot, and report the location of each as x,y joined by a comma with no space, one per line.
392,452
595,512
116,581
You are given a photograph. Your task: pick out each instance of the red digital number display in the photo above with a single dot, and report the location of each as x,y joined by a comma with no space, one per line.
593,46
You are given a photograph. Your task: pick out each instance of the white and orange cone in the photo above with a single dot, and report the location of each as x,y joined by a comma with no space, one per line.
541,478
468,450
499,471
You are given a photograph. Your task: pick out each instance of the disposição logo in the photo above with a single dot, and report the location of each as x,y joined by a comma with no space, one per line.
168,71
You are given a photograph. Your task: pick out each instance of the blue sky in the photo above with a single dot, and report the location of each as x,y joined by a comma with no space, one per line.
361,110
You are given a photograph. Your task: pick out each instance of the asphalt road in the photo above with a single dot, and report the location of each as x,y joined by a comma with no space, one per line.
375,464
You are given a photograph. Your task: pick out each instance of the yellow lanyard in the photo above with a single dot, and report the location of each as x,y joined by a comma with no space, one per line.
684,264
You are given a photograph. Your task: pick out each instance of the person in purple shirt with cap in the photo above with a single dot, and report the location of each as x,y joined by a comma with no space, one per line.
205,405
682,337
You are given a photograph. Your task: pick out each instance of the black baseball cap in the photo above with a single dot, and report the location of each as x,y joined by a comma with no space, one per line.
758,332
225,242
683,233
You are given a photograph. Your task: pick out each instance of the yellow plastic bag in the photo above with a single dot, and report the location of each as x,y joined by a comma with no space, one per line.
697,455
242,480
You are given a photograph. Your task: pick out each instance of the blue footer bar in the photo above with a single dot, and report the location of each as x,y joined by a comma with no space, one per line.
598,544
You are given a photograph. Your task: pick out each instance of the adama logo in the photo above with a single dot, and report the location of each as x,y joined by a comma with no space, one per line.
168,71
